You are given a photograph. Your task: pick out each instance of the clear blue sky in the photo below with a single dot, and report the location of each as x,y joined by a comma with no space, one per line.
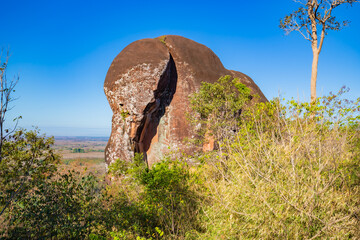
62,49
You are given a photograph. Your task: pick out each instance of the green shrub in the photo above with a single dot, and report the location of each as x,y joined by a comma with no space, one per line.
292,173
217,107
27,160
66,207
167,193
165,205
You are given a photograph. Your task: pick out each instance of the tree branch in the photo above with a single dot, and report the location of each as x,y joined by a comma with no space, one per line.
298,28
299,1
322,38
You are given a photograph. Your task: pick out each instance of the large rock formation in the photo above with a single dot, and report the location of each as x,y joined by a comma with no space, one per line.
148,85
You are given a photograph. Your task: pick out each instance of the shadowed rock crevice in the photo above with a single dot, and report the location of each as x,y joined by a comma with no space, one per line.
154,110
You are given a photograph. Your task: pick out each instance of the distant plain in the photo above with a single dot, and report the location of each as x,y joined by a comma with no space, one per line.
82,154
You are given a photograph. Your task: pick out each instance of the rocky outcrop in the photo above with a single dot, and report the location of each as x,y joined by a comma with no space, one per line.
148,85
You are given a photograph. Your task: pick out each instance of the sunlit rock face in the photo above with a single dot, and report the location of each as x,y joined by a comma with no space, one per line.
148,85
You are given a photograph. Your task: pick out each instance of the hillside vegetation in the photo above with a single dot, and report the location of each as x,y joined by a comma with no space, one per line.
279,171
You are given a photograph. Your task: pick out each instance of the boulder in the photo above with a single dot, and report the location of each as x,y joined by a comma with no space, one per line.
148,85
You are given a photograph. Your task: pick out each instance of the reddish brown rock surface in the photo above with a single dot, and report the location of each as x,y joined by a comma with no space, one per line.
148,85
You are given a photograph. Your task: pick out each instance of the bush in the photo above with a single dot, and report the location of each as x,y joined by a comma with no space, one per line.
27,160
292,173
167,193
39,202
216,108
66,207
165,205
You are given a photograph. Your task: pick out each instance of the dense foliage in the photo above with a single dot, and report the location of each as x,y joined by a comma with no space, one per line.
288,171
65,207
216,108
293,172
27,160
164,198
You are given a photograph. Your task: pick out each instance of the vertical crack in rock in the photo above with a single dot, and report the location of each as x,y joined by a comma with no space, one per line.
154,110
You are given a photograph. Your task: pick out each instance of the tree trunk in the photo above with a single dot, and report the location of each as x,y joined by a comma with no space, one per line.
314,74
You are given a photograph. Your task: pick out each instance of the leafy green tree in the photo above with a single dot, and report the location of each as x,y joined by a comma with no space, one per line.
78,150
36,201
313,20
28,160
217,107
66,207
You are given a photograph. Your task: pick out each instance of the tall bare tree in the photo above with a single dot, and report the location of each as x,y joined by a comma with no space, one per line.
313,20
7,87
